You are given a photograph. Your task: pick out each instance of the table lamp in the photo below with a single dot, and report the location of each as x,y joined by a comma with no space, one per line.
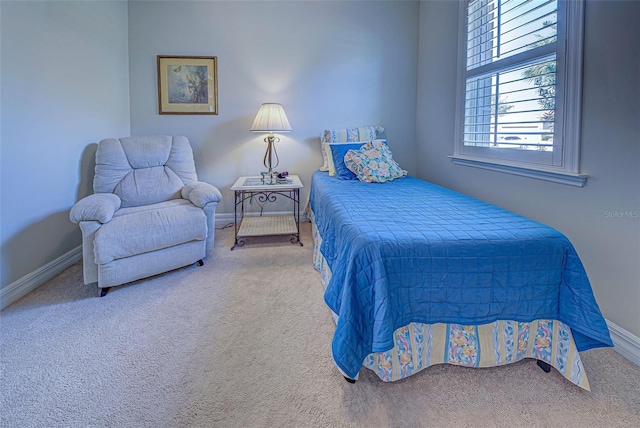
271,118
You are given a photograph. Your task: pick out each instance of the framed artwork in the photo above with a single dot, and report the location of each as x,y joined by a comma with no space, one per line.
187,84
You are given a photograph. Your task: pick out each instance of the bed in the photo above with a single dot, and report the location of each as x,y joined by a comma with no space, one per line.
416,275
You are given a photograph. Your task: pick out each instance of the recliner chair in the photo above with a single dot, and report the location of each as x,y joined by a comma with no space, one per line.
148,215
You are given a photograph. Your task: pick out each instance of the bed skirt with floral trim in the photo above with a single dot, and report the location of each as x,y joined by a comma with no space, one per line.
418,346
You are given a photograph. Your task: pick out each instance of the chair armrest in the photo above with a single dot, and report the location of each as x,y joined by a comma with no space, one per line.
97,207
200,194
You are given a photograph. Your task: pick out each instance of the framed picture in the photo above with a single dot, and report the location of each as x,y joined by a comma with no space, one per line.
187,84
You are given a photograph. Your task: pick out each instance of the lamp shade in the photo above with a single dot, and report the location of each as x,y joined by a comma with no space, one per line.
271,118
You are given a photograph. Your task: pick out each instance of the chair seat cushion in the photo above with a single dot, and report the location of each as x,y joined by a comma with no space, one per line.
140,230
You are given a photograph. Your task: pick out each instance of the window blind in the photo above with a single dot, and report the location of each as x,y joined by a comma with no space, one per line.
510,75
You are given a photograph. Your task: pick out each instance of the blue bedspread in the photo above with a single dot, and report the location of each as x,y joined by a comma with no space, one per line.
411,251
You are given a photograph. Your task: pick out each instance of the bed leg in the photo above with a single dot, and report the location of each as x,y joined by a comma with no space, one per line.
544,366
349,379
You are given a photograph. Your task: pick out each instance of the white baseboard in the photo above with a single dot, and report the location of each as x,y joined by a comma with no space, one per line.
35,279
625,343
223,219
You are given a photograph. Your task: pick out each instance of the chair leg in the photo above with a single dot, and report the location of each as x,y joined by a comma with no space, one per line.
546,367
200,263
103,291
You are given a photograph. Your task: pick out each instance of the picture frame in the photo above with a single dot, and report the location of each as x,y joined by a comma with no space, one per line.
187,84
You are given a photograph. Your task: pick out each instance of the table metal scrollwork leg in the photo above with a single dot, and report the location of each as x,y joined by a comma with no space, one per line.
236,226
239,243
296,213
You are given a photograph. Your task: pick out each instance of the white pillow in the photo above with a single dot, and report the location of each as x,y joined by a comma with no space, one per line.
346,135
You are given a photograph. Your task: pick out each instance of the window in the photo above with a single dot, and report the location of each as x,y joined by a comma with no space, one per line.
519,87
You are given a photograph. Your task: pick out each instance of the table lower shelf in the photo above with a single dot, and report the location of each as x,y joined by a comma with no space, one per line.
270,225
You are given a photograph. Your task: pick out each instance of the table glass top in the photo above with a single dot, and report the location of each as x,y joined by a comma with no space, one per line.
257,182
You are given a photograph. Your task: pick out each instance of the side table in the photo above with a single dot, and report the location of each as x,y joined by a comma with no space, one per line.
254,189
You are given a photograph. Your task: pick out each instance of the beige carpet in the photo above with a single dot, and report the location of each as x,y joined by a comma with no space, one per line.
244,341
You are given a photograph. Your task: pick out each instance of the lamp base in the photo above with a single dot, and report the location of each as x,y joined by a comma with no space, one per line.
269,177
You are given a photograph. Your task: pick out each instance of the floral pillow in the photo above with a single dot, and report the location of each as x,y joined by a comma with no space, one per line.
336,152
373,163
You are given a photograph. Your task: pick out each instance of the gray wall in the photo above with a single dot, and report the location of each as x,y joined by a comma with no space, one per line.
608,245
65,86
331,64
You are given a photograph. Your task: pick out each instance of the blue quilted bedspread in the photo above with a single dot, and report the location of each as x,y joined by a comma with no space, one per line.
411,251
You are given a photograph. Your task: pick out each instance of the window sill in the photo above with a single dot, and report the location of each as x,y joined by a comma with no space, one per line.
571,179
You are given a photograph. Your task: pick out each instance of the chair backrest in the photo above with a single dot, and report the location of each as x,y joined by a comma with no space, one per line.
144,170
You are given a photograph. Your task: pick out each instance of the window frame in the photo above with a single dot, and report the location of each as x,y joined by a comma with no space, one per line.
564,166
